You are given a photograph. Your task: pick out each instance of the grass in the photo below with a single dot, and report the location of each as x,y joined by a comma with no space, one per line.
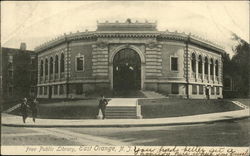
151,108
159,108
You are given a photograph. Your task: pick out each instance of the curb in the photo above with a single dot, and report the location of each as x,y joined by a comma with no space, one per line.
126,125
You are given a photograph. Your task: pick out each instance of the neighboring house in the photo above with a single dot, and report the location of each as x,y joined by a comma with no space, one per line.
130,56
18,73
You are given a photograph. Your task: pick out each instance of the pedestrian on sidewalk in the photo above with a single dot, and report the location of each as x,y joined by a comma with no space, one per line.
24,109
102,105
33,107
207,92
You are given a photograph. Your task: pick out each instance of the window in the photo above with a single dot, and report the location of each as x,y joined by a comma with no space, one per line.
79,89
218,90
174,63
193,63
62,63
32,90
33,61
51,65
206,66
46,67
56,64
80,62
200,89
194,89
174,89
10,61
227,83
61,90
45,90
200,65
212,90
216,68
10,74
41,90
212,67
41,68
55,89
33,76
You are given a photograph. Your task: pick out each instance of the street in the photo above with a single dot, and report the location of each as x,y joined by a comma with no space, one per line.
229,133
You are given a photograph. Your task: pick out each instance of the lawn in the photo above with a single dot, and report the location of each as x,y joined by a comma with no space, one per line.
157,108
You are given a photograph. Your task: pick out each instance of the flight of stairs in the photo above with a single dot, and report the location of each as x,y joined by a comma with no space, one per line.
153,94
123,108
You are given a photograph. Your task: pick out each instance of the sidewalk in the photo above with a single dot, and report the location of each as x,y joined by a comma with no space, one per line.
12,120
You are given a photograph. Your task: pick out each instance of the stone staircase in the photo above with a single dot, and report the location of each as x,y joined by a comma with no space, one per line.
123,108
153,94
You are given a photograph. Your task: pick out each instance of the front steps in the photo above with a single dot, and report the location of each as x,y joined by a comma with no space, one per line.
153,94
123,108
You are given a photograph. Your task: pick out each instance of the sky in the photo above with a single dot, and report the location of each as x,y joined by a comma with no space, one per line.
35,22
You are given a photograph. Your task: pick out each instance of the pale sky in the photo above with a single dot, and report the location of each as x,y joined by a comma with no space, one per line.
39,21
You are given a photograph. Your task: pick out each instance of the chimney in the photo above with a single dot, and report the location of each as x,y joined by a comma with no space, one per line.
23,46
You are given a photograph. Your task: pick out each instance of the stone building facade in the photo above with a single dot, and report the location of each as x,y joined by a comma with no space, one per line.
129,55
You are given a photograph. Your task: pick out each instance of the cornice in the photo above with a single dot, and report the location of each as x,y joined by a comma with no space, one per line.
160,35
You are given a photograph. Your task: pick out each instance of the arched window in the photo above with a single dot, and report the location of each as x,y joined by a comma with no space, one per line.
200,64
216,68
212,67
193,62
46,67
206,65
51,65
56,64
62,63
41,68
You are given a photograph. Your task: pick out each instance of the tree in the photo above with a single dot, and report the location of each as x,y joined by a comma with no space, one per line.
239,65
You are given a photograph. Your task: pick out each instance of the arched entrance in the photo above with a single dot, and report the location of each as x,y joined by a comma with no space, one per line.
127,70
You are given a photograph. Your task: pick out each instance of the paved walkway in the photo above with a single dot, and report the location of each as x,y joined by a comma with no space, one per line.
12,120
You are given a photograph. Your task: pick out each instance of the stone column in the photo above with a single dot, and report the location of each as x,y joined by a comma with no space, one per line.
196,68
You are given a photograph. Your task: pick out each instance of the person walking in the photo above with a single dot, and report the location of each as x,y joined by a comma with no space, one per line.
102,105
24,107
207,93
33,107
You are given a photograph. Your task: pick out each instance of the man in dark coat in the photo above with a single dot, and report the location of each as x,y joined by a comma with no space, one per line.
102,105
24,107
33,107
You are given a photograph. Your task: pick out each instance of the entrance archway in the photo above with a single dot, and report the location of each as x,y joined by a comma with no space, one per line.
127,70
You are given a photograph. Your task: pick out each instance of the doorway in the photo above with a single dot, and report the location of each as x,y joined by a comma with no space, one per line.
126,70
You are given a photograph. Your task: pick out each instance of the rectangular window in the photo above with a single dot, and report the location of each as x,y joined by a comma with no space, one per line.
80,63
174,63
10,74
79,89
218,90
55,89
175,89
200,89
41,90
61,89
45,90
10,59
212,90
194,89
